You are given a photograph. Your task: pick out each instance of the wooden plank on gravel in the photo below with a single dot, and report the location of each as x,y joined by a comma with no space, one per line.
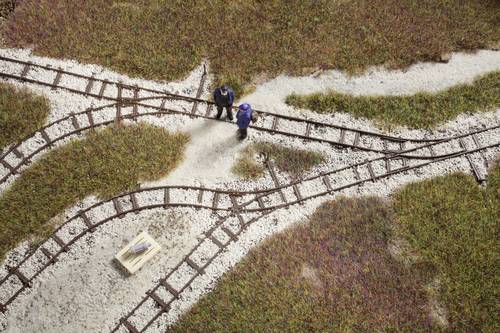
133,199
270,166
297,192
308,129
209,110
45,136
327,183
25,71
166,197
275,123
215,202
215,241
431,150
169,288
87,222
388,165
118,207
342,135
120,91
103,87
49,255
370,170
135,110
57,79
89,86
194,266
230,234
8,166
356,139
260,202
165,307
234,203
162,105
240,219
74,121
476,142
356,172
129,326
90,117
24,280
60,242
17,153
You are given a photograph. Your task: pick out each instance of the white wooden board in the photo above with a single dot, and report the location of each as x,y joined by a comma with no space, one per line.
132,262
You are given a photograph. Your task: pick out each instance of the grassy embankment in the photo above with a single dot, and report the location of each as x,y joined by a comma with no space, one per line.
21,113
339,272
164,40
422,110
104,163
7,7
293,161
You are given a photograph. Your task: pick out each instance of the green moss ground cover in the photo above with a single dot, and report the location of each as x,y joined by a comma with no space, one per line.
104,163
21,113
422,110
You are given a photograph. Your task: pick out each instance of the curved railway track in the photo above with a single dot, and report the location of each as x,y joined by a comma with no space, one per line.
243,209
21,154
196,107
165,293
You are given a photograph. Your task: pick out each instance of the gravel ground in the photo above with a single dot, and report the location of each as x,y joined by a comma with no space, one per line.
85,280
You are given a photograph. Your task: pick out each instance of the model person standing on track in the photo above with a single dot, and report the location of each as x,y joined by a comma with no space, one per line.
244,116
224,98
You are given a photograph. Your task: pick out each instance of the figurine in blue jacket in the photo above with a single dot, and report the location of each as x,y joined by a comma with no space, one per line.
224,98
244,115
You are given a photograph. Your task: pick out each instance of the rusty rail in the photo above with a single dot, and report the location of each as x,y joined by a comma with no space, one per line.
91,118
198,268
235,203
268,122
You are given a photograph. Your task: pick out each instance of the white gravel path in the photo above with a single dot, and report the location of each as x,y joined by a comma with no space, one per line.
429,77
92,294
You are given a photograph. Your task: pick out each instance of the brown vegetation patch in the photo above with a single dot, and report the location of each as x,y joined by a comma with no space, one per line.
293,161
356,284
21,113
105,163
165,39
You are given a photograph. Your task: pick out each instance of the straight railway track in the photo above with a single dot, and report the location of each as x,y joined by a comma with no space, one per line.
135,95
20,155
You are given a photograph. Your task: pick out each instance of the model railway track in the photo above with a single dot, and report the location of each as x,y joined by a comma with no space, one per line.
196,107
168,290
242,208
133,202
240,205
18,156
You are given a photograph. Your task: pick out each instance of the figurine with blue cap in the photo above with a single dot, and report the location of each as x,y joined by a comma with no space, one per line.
244,116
